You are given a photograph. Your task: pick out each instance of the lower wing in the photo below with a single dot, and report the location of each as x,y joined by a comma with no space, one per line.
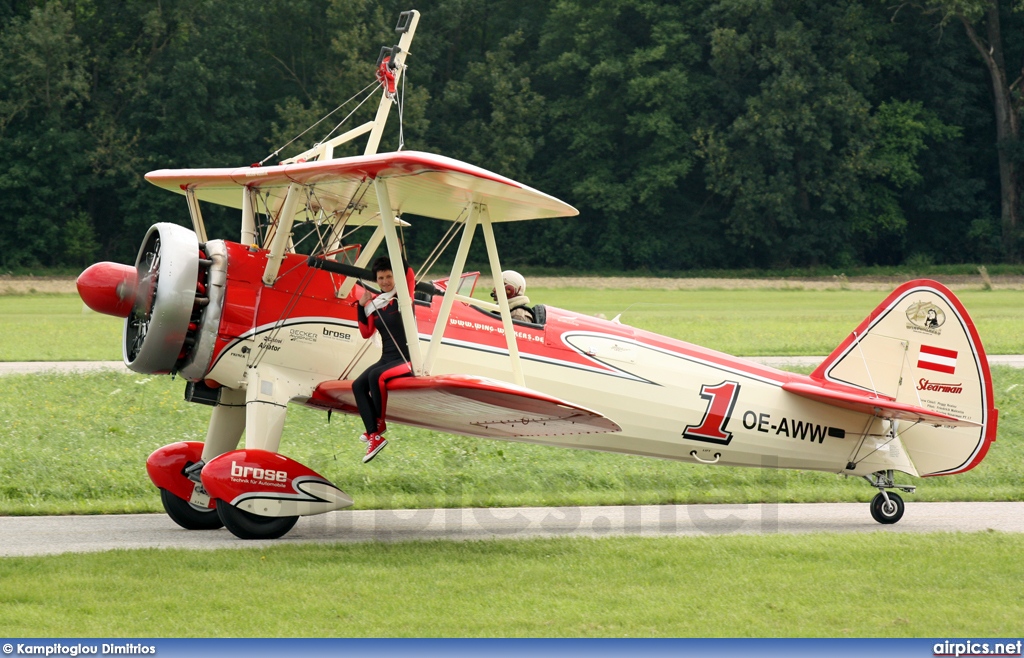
474,406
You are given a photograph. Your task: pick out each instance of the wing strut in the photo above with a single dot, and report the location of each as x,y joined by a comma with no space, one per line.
248,216
387,222
196,214
477,215
499,288
282,236
451,292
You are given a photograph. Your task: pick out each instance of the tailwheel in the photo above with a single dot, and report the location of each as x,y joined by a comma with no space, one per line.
246,525
887,508
187,515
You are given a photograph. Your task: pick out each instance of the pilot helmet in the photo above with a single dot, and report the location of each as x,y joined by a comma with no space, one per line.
515,284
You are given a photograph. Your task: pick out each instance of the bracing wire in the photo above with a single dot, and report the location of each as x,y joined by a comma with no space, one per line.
307,278
321,119
864,360
336,229
894,435
347,116
337,232
260,219
355,359
442,245
401,114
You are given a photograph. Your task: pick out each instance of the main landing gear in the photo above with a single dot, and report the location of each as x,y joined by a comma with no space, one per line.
886,507
242,524
187,515
246,525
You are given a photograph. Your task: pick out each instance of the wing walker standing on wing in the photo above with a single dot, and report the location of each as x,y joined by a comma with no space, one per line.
261,323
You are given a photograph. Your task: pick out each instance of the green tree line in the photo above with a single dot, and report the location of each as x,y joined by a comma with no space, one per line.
689,133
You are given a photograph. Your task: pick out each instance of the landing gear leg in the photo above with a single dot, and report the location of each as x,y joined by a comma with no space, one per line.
266,400
886,507
226,425
227,422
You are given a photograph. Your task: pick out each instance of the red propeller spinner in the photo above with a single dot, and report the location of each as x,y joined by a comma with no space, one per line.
108,288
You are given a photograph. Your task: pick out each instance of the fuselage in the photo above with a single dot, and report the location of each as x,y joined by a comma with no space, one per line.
672,399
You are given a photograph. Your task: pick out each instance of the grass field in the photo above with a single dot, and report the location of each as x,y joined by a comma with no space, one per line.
850,585
78,444
742,322
777,322
56,328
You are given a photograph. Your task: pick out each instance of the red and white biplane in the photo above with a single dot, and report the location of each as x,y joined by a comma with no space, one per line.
255,325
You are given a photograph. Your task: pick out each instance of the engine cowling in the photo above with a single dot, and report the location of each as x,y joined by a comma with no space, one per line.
167,269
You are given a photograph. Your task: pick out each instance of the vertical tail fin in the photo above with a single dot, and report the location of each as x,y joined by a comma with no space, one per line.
920,347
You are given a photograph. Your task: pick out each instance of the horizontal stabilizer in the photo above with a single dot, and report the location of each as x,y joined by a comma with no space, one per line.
880,407
474,406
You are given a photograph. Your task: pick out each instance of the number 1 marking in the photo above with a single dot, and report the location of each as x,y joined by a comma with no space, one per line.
721,399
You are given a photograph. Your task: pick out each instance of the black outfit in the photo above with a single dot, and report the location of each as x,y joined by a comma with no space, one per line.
370,387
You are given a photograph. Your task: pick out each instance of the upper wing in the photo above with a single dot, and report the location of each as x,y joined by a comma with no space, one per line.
474,406
418,183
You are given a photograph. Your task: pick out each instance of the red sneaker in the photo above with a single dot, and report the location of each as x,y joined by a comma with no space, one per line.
381,428
374,444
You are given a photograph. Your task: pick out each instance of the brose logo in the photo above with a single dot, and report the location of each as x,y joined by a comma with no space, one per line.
257,473
337,335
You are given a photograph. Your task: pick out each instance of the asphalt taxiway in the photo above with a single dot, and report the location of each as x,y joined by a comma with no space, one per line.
48,535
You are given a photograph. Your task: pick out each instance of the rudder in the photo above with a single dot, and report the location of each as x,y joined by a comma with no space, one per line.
920,347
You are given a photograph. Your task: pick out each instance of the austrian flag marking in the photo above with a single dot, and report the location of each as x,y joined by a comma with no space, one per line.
937,359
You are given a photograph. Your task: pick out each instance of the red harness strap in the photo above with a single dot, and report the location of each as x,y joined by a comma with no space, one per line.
386,76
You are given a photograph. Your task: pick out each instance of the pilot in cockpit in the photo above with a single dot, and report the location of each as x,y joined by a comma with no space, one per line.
515,290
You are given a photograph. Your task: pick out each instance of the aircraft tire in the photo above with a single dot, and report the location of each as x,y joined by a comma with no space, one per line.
887,514
246,525
187,515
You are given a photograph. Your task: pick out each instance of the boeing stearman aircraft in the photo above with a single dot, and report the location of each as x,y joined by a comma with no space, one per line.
269,320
